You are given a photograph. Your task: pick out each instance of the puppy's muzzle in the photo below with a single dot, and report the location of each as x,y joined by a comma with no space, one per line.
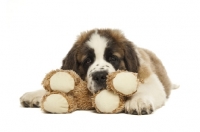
99,79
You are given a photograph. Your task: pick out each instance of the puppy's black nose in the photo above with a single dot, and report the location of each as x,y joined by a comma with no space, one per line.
100,77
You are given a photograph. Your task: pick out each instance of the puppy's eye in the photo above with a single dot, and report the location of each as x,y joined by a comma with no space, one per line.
112,59
88,61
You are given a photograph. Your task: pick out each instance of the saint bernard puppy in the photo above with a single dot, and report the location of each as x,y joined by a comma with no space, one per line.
101,51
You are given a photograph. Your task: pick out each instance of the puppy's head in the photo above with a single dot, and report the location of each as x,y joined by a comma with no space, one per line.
99,52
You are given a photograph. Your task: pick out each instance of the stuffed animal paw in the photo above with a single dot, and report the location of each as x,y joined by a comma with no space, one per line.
67,92
120,85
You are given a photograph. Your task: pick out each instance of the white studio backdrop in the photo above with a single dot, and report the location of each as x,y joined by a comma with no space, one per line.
35,35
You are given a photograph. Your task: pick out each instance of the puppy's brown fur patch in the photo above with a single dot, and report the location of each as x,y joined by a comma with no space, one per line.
152,64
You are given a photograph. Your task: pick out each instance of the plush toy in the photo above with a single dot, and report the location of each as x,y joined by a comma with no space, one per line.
67,92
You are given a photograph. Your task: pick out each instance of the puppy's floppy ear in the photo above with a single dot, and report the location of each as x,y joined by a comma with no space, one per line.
130,57
70,61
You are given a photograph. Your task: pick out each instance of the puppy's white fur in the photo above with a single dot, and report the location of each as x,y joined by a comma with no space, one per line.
99,44
32,98
150,96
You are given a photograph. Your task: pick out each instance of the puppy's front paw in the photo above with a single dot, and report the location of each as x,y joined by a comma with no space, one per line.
141,105
32,99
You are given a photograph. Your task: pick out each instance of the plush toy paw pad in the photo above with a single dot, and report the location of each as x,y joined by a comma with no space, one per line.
62,81
125,83
106,101
56,103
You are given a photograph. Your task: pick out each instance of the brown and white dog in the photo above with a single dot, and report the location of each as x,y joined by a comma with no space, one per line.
101,51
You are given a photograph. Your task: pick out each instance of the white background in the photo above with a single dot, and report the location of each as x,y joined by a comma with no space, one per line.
35,36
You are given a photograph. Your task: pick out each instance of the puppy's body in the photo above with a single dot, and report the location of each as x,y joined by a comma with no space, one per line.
98,52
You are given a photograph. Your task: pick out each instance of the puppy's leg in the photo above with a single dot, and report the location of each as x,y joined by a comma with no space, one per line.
149,97
32,99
